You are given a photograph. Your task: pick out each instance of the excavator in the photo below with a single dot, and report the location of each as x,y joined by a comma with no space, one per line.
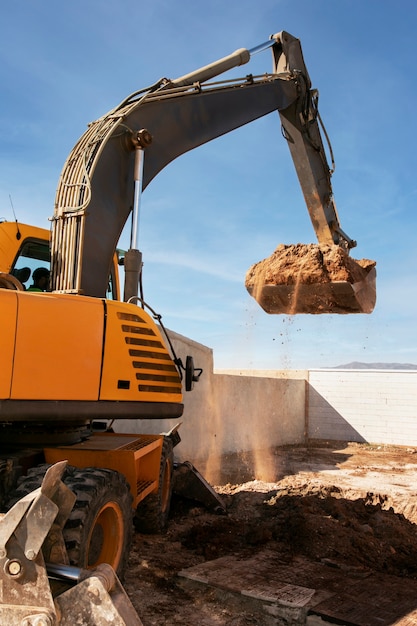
78,355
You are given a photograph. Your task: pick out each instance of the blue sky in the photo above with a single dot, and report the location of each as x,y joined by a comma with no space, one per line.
217,210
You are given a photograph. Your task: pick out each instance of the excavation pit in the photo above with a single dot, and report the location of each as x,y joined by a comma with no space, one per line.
332,541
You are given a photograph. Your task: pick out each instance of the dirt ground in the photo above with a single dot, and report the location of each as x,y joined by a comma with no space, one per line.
350,509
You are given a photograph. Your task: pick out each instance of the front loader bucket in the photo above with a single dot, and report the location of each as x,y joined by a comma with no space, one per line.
313,279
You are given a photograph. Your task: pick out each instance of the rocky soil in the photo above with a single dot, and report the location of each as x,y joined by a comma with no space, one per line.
351,507
308,264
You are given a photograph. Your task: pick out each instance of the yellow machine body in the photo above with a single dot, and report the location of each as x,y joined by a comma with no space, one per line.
64,347
90,357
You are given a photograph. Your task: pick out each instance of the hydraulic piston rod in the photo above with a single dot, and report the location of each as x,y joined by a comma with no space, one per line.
133,257
239,57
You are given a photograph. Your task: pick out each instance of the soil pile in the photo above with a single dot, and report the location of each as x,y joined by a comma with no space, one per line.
308,264
332,519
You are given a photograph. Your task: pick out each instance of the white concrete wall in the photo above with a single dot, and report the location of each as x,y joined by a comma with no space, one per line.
376,406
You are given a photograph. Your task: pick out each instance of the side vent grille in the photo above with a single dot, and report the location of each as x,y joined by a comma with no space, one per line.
155,371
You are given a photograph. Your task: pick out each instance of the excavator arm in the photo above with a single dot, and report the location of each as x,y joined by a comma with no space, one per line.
120,153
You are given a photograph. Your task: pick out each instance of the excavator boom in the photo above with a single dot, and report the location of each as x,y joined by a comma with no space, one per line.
95,195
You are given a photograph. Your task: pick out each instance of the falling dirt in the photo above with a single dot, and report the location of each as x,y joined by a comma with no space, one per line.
349,509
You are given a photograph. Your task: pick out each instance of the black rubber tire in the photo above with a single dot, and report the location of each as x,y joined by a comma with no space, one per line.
100,528
153,512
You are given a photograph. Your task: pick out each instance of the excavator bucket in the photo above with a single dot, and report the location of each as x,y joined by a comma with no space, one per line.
314,279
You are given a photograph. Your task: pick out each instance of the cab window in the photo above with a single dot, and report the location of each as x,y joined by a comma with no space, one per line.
32,254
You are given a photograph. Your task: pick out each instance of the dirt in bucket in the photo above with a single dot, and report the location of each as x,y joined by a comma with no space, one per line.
312,278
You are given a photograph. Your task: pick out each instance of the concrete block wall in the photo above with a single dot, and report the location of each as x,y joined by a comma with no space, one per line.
374,406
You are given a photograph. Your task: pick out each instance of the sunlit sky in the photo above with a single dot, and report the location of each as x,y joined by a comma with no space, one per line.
222,207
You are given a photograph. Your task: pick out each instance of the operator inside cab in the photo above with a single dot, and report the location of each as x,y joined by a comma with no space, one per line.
40,278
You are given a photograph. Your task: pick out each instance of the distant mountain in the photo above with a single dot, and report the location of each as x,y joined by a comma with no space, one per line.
357,365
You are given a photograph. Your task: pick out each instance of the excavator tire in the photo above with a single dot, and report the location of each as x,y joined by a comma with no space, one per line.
100,528
153,512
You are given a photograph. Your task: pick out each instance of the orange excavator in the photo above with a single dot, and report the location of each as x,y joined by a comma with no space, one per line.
76,354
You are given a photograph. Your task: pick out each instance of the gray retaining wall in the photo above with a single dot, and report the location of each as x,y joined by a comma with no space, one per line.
252,411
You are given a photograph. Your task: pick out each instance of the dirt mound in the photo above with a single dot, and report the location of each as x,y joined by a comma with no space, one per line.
320,512
320,525
308,264
354,537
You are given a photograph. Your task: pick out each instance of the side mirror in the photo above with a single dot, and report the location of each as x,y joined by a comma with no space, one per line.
192,374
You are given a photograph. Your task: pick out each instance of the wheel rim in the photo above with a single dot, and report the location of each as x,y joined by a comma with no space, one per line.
105,540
